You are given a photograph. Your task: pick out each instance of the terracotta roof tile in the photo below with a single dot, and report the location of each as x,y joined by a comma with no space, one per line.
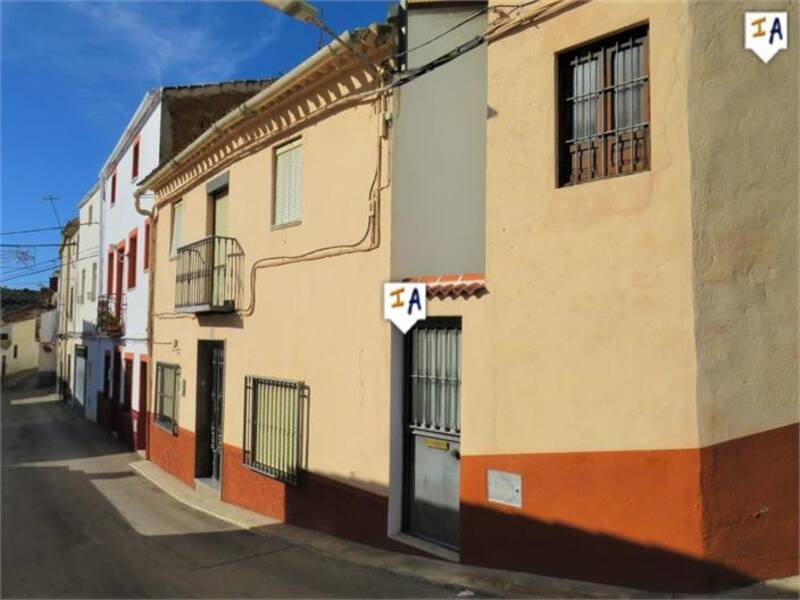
464,285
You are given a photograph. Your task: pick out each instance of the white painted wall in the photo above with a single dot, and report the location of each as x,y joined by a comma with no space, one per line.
117,223
86,308
47,340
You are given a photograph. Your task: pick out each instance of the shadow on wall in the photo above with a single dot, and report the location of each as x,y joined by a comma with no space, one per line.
508,541
493,538
498,538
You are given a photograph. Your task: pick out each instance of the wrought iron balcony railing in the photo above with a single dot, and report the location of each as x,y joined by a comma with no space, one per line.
209,275
111,314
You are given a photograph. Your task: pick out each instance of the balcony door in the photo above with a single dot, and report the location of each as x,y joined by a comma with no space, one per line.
119,258
220,201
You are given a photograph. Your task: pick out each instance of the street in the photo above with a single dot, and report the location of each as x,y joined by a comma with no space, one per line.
77,522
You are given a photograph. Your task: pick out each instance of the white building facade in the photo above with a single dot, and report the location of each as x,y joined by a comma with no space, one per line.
167,120
83,325
122,306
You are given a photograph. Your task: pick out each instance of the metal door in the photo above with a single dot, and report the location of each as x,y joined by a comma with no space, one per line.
80,375
433,423
217,396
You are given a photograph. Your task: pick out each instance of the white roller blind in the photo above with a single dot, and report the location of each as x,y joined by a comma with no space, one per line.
289,184
177,218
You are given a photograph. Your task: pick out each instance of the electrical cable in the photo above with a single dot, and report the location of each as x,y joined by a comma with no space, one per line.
21,231
443,33
42,263
36,245
48,269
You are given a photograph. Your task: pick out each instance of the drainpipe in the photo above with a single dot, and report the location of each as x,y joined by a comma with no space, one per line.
151,215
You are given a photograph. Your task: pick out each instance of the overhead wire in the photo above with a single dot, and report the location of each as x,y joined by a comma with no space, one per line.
42,263
72,262
40,229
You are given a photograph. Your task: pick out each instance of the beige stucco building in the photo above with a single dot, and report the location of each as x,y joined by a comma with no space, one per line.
69,331
606,387
21,346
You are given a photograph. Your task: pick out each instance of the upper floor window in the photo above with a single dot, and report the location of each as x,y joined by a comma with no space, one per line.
135,160
83,287
114,188
93,289
177,225
132,258
288,202
604,112
89,222
110,273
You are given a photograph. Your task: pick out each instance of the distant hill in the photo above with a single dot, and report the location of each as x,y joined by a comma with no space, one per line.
12,300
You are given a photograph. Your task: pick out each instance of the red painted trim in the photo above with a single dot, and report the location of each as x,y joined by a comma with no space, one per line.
135,156
133,251
130,356
144,358
110,279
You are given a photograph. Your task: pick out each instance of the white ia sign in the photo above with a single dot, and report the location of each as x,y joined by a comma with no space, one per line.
766,33
404,304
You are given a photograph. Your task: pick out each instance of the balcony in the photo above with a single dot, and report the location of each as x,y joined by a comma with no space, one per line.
209,276
111,314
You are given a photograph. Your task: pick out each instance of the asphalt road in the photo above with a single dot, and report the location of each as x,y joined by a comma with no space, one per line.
77,522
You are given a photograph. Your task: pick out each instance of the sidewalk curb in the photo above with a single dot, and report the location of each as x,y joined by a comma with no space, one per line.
489,582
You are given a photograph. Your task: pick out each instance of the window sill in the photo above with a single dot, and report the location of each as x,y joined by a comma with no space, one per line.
265,473
570,186
286,225
170,428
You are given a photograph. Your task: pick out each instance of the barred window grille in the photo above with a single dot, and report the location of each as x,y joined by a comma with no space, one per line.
272,427
288,206
604,116
167,385
436,378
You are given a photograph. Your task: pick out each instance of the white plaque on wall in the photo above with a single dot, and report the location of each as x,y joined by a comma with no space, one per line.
504,488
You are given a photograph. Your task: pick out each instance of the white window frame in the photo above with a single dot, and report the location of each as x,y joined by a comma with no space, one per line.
288,215
176,233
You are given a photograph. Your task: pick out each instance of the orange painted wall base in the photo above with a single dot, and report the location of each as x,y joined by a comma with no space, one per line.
317,502
173,453
669,520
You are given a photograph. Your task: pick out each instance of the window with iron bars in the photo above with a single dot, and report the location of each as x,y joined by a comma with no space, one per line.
168,379
435,376
604,109
272,427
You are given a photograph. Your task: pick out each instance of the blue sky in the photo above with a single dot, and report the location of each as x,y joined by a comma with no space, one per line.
74,72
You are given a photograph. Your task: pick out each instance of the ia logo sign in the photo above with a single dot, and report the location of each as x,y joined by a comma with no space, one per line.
766,33
404,304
